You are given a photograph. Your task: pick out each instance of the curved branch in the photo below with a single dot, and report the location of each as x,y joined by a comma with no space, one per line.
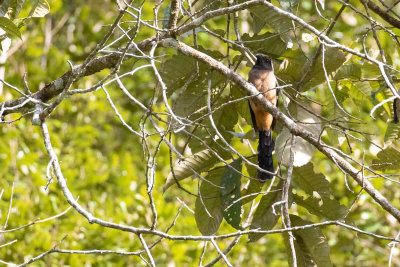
109,61
293,127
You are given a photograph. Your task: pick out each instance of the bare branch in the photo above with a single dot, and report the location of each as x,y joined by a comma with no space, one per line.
293,127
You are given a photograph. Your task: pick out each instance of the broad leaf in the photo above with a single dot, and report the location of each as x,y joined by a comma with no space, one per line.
311,182
209,204
266,43
350,71
311,246
230,193
322,207
388,159
334,58
392,132
9,27
198,162
296,64
265,17
266,215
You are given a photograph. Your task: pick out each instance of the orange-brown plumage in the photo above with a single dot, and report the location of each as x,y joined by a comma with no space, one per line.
263,78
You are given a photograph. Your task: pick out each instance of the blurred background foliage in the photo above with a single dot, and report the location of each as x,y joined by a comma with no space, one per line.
104,163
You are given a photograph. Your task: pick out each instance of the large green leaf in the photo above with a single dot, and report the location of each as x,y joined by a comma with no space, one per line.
224,119
392,132
9,27
350,71
230,193
311,182
209,204
180,70
388,159
266,43
334,59
266,215
296,64
265,17
331,109
323,207
303,150
311,246
198,162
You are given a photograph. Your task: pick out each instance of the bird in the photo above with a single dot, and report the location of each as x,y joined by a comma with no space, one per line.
263,78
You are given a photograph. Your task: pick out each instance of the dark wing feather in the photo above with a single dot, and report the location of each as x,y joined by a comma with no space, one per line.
253,117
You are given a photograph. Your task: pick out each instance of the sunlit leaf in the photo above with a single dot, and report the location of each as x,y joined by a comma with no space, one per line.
305,178
388,159
40,8
198,162
392,132
9,27
303,151
323,207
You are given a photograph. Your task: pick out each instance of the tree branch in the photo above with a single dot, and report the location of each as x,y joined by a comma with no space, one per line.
293,127
382,13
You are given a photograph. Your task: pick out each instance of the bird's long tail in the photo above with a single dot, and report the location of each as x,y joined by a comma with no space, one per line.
265,147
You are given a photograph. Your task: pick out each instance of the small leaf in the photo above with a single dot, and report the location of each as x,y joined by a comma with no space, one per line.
231,192
199,162
211,200
9,27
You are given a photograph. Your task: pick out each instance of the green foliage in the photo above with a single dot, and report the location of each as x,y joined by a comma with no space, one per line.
201,161
9,27
232,206
209,207
388,159
267,214
106,166
310,244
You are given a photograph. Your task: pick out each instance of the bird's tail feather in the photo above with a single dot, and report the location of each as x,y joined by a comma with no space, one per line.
265,147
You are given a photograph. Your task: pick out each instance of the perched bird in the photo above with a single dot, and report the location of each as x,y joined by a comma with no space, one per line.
263,78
